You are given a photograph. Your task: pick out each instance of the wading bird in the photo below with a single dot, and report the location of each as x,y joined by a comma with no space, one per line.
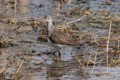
54,35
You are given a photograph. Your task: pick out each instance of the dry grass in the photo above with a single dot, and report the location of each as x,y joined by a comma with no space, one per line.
94,17
4,41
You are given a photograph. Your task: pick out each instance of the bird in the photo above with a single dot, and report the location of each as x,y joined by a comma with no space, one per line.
56,36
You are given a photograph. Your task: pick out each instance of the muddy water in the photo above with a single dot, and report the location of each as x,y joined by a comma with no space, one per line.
41,66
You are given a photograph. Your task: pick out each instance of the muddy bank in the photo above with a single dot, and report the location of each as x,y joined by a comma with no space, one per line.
25,53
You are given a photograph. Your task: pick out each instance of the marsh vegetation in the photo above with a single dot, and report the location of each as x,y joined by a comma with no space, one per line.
26,54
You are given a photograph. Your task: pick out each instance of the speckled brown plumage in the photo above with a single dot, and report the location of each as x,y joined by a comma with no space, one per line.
60,37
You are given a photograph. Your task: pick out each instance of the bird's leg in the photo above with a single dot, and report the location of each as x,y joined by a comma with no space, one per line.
72,50
58,56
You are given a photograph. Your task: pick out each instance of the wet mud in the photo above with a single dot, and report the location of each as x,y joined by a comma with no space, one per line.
25,53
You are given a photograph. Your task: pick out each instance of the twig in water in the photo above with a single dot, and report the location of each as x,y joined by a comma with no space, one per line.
15,5
87,65
75,20
69,2
107,50
94,65
59,7
118,60
20,65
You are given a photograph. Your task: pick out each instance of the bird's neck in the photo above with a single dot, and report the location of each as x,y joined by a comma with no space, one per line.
50,28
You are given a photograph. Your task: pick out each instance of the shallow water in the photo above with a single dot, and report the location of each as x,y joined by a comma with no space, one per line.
42,66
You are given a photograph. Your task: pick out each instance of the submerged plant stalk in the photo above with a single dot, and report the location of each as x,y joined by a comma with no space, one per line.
107,50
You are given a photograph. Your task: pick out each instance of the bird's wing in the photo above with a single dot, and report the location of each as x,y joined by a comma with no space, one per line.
62,38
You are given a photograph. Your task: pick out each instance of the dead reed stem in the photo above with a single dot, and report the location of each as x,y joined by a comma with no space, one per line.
4,69
69,2
94,65
8,5
73,21
118,60
118,49
107,50
85,73
20,65
15,5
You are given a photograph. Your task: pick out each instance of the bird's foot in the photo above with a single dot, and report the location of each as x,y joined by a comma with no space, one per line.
57,57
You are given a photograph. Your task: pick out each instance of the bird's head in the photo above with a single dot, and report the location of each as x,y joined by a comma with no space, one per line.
49,24
48,20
